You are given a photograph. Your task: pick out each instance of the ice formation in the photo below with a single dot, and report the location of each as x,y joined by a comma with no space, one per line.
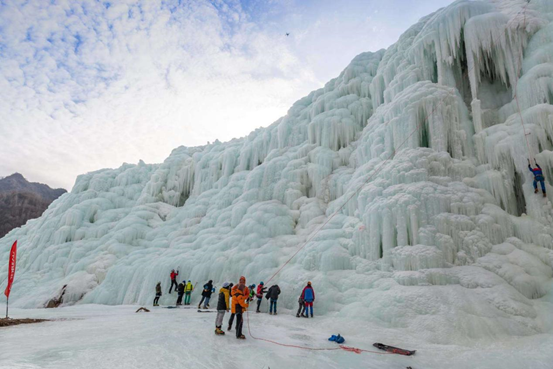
416,152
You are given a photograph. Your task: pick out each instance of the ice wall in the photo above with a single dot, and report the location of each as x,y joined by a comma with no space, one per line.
417,153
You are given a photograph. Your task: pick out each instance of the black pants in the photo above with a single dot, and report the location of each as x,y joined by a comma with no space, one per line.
173,283
239,323
179,299
230,321
156,300
301,309
258,304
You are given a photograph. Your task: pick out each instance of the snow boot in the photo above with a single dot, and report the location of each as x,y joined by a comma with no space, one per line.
229,328
544,194
241,337
219,332
536,190
297,315
275,313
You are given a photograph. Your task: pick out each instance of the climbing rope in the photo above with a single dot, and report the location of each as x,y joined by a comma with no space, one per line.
516,92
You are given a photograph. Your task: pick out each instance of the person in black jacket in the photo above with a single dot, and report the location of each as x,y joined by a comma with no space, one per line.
206,294
223,306
180,292
272,295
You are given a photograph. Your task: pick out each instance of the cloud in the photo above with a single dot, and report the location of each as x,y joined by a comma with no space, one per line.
87,85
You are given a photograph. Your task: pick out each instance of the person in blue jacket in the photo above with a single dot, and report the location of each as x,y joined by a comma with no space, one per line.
538,177
308,295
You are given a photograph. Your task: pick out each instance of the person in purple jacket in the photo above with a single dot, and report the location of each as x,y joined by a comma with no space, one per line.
538,177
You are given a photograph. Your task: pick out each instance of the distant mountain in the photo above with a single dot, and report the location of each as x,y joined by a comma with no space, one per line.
21,200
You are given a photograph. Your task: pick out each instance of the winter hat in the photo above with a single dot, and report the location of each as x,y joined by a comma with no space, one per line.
226,284
261,283
242,279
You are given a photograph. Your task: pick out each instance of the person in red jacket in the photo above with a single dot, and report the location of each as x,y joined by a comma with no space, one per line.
174,280
261,289
308,295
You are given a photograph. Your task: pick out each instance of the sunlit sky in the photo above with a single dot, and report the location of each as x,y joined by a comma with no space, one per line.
86,85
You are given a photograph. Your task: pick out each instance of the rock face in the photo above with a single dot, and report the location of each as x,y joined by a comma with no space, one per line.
21,200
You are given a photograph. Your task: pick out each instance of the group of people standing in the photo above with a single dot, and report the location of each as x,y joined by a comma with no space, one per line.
236,299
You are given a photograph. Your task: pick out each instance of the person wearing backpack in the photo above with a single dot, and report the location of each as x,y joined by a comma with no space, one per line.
158,294
240,294
261,290
206,294
272,296
308,295
180,293
187,292
223,306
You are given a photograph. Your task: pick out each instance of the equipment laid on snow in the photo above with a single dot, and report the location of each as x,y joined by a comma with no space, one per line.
338,339
394,350
143,309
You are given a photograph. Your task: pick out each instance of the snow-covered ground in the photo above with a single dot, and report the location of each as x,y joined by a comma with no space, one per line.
96,336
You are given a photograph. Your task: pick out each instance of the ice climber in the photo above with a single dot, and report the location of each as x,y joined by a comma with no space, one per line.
158,294
538,177
272,296
173,279
301,308
223,305
240,295
308,295
260,291
187,292
180,292
206,294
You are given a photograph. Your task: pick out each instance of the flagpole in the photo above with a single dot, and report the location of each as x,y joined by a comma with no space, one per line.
7,304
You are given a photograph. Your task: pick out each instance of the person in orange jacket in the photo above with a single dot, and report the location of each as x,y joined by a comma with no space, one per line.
240,294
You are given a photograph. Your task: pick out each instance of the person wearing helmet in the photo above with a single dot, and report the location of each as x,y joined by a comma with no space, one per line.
240,295
223,306
187,292
308,295
261,289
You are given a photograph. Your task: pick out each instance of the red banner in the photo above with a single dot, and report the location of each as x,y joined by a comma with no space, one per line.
11,270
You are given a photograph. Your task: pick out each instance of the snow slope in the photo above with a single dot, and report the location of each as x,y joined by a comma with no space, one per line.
416,158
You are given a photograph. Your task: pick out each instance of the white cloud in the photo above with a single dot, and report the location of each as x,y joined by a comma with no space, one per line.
85,85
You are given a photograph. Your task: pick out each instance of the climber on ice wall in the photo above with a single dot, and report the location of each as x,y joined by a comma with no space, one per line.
173,279
538,177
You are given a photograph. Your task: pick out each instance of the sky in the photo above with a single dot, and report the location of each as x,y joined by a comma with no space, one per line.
86,85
